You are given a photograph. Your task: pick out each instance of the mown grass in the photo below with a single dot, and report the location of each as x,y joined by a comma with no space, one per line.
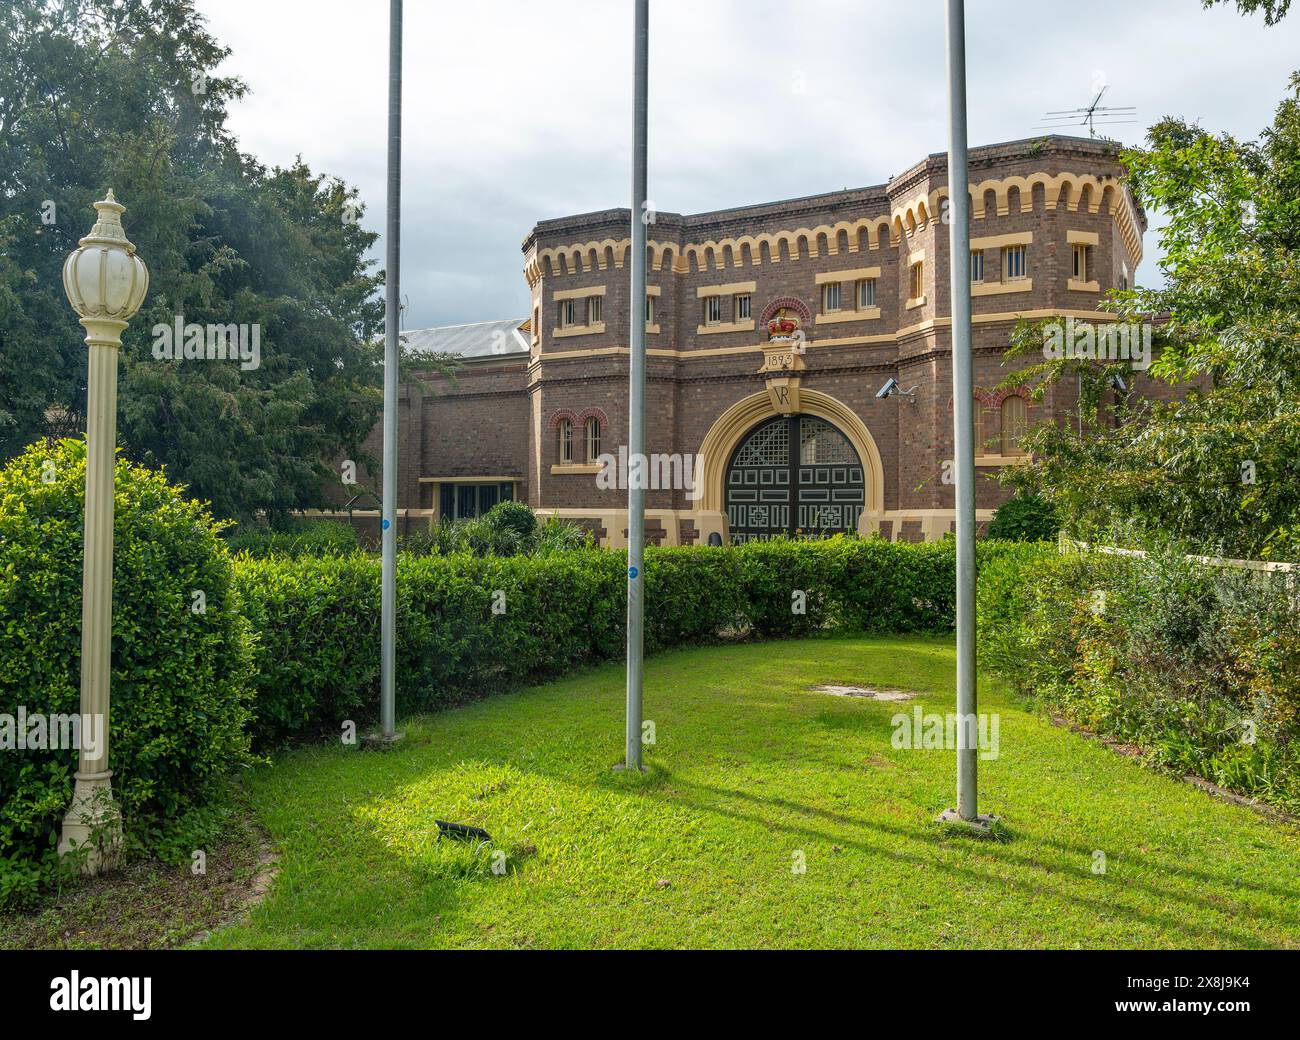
749,769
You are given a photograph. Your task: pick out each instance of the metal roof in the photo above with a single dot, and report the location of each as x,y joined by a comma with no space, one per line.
478,340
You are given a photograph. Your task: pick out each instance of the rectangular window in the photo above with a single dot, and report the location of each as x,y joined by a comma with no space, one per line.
830,297
567,314
742,307
592,432
866,293
593,310
712,310
1080,258
977,265
918,280
466,501
1013,263
649,310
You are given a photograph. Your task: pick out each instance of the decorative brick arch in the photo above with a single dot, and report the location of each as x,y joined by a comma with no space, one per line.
561,415
593,413
994,398
793,303
736,422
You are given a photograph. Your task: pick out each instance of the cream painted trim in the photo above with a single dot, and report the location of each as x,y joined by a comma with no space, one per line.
845,341
342,514
615,520
733,424
946,514
577,294
731,289
916,256
918,301
1015,238
1015,285
851,275
471,480
579,330
652,290
652,330
1082,238
1075,285
866,314
579,468
1000,460
1066,187
735,326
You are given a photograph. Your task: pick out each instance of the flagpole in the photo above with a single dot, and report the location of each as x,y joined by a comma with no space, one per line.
963,423
392,314
636,395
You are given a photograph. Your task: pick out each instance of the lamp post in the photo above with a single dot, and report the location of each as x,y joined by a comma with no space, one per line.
105,282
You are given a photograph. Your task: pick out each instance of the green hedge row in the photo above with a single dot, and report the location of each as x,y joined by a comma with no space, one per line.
1200,666
470,625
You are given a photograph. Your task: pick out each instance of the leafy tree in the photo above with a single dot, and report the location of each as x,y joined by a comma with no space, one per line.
1274,10
1218,467
125,93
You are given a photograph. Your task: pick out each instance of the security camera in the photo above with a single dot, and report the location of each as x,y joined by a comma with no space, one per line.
1118,381
890,387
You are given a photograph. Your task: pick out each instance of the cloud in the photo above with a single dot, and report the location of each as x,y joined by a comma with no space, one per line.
515,111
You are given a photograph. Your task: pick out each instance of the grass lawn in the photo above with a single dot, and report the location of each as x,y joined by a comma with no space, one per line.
750,768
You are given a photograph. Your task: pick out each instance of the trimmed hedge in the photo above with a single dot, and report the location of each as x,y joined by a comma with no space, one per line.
317,659
179,681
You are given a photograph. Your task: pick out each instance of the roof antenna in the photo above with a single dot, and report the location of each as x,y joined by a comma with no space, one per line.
1091,115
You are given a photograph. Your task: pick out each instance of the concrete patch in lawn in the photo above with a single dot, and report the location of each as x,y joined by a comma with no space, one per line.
865,692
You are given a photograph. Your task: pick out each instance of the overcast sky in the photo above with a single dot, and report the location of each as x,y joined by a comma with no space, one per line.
519,110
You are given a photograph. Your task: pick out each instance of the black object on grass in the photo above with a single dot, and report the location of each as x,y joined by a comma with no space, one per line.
461,831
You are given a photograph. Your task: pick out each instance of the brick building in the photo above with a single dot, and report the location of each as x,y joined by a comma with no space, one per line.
770,330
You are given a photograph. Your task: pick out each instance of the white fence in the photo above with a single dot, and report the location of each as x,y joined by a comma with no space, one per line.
1264,569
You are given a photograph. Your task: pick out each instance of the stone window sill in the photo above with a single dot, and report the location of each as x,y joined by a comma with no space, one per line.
577,468
865,314
1014,285
580,330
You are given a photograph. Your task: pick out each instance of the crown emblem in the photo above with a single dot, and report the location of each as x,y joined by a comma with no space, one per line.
782,326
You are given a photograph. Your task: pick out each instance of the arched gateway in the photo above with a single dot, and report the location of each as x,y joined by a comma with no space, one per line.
793,474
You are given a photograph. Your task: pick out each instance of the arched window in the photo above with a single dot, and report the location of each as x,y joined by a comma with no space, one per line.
980,433
565,426
591,430
1015,421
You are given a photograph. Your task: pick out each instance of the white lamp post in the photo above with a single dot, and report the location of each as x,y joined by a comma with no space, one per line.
105,282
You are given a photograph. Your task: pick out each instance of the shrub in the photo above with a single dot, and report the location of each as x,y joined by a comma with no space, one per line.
180,677
1198,665
306,538
1025,518
499,532
513,516
556,535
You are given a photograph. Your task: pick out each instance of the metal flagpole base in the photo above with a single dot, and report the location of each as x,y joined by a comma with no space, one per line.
381,741
623,768
980,825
